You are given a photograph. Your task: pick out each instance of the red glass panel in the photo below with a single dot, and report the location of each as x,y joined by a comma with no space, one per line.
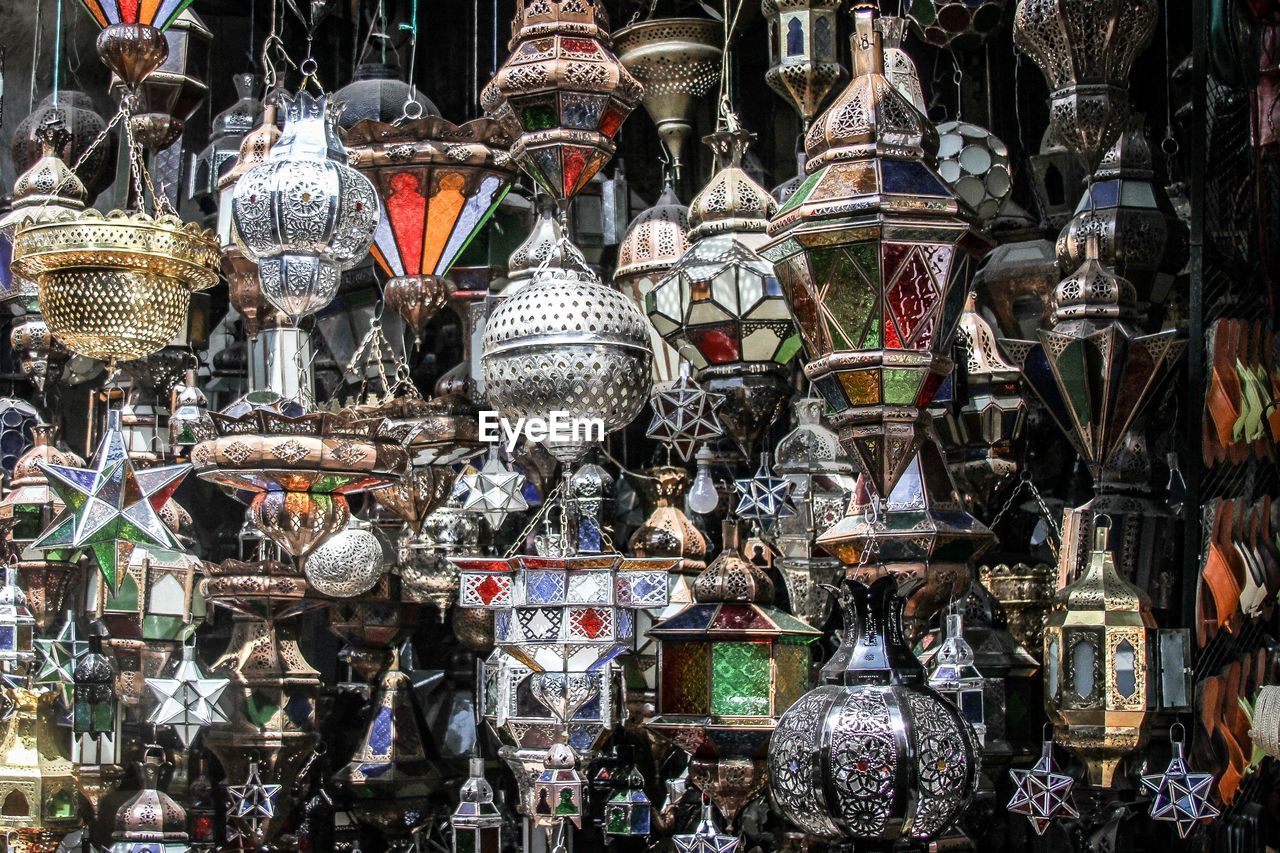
580,45
717,345
740,617
912,298
611,121
129,11
929,388
407,210
575,161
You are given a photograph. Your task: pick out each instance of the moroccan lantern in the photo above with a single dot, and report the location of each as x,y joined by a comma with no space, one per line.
976,165
822,479
677,60
17,625
172,92
954,674
1016,285
956,24
874,258
49,186
304,215
547,250
1085,49
226,132
132,42
476,822
39,799
628,812
729,665
150,821
1098,657
804,63
721,304
97,162
873,754
559,790
899,68
575,333
437,186
93,711
561,94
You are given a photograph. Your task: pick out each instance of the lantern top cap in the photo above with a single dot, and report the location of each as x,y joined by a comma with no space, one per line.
732,201
310,129
732,578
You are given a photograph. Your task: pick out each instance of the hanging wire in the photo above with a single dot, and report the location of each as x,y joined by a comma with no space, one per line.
57,48
725,120
35,56
412,106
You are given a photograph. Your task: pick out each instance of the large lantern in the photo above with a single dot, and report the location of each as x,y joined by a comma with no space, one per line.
304,215
562,95
873,754
874,257
804,61
437,185
1085,49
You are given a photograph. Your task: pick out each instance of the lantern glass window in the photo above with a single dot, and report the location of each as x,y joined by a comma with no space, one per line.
1084,655
740,679
1174,653
1126,674
1053,677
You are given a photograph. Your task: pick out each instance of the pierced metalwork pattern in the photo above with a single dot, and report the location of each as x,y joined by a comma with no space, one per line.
346,564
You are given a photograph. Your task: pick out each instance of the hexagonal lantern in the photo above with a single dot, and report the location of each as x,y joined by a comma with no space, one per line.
804,55
874,258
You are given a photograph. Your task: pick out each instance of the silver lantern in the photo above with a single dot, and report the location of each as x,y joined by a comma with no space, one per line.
570,349
304,216
873,753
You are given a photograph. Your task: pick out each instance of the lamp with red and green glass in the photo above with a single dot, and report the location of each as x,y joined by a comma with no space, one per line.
132,41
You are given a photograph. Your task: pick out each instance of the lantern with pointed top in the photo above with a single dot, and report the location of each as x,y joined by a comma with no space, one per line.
558,793
476,822
874,258
954,674
151,821
628,811
804,61
94,708
561,94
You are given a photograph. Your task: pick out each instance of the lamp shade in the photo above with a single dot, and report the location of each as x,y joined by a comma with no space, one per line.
152,13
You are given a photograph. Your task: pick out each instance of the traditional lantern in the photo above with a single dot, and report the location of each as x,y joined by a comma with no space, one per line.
576,334
437,186
1085,50
1057,179
17,625
304,215
349,563
677,60
150,821
476,822
628,811
956,24
899,68
876,294
558,792
546,251
955,676
721,304
226,132
561,94
975,164
729,665
38,800
377,93
822,479
156,598
1025,593
1098,657
48,188
1139,235
873,754
97,162
804,63
189,700
94,708
170,94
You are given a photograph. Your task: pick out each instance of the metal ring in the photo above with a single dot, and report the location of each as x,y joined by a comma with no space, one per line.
309,67
413,109
1169,146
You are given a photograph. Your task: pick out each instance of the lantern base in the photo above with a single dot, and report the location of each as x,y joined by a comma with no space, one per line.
132,51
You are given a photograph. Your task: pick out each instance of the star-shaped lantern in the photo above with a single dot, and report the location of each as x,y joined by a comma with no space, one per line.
189,700
58,659
1180,796
111,503
684,415
494,491
254,801
1042,795
764,497
707,838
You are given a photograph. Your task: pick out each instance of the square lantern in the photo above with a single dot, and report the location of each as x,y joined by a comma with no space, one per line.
158,598
17,625
628,811
476,822
559,789
37,789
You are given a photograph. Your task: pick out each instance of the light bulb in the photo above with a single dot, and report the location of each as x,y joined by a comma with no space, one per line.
703,497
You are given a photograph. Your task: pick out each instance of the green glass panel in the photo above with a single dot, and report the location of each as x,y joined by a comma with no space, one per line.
1075,379
539,117
820,263
851,304
260,710
802,191
901,385
867,256
740,679
61,805
104,714
618,822
464,840
788,349
126,599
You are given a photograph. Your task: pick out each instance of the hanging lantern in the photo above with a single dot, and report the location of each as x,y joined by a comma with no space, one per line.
189,700
547,251
1098,657
628,812
377,93
561,94
17,625
1139,235
1085,49
574,334
437,186
226,133
304,215
347,564
975,164
417,494
132,42
1025,593
804,64
899,68
729,665
40,803
558,792
721,304
172,92
822,479
1093,373
150,821
677,61
97,162
875,259
873,753
954,675
48,188
956,24
476,822
94,709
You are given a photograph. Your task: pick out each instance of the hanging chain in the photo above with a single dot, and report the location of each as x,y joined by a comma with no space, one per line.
376,349
547,502
413,108
1025,483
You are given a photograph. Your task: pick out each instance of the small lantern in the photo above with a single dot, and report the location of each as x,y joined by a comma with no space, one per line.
226,132
16,625
628,812
477,824
94,706
1098,647
558,792
150,821
37,792
954,674
804,66
1057,179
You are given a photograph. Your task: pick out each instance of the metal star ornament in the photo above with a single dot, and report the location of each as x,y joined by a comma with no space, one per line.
684,415
1180,796
58,659
189,700
764,497
254,801
707,838
494,491
1042,795
111,503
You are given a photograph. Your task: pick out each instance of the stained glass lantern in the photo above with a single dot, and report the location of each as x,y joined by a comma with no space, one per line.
1139,234
476,822
677,60
304,215
559,790
873,754
561,94
1098,658
158,595
437,186
1085,50
954,674
875,259
628,811
729,664
956,24
94,708
804,63
17,625
132,42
